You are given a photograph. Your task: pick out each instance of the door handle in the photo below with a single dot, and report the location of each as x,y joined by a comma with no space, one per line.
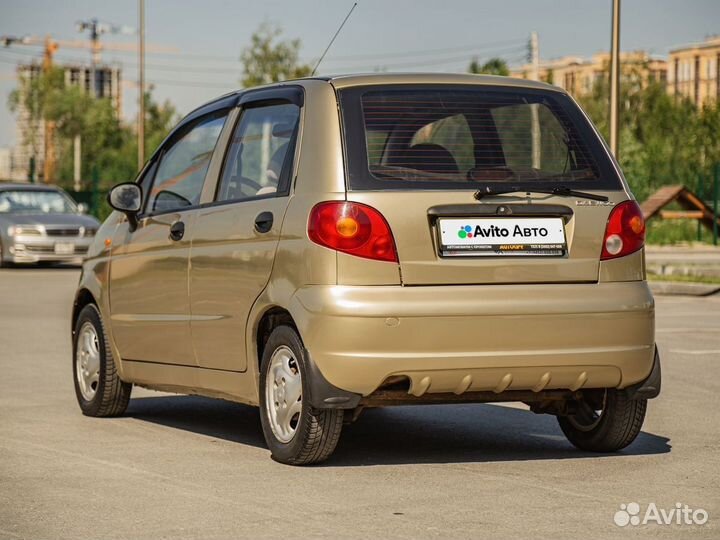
177,230
264,222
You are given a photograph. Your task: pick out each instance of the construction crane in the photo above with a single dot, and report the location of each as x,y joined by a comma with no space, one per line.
50,47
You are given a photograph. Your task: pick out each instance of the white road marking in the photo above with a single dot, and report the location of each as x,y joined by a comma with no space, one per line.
688,351
686,330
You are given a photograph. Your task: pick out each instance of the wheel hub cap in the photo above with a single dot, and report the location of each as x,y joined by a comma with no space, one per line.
87,361
283,394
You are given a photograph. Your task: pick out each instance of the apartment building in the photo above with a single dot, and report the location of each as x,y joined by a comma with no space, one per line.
30,135
694,71
578,75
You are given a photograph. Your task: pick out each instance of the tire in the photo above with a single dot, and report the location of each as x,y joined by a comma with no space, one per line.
616,426
98,388
303,436
3,262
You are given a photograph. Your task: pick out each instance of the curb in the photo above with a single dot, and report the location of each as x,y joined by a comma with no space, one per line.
682,288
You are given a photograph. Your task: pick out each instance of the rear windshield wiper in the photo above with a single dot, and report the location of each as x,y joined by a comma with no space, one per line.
562,191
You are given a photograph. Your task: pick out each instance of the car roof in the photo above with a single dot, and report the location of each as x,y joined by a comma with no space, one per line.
370,79
11,186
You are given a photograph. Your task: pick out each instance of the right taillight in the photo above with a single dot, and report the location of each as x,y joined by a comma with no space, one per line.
353,228
624,232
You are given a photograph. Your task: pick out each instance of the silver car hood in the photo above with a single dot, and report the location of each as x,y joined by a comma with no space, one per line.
77,220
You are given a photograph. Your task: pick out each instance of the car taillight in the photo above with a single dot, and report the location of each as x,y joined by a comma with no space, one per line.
353,228
624,232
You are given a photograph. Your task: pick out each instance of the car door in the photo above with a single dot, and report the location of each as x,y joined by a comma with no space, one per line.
234,240
150,307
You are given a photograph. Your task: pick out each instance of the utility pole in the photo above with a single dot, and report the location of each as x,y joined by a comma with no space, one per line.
49,131
614,77
77,163
95,29
141,82
534,57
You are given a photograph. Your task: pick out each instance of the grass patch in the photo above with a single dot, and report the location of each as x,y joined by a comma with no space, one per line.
708,280
676,231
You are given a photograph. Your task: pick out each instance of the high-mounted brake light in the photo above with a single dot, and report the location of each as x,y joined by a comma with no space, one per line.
624,232
353,228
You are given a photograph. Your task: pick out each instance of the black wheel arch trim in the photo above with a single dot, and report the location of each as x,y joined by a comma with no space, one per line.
650,387
324,394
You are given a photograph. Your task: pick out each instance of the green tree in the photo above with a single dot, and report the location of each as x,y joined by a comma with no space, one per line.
108,146
663,139
494,66
36,95
268,60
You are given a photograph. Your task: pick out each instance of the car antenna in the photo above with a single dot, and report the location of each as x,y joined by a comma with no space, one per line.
333,38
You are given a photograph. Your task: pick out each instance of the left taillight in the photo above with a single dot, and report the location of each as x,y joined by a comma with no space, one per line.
352,228
624,232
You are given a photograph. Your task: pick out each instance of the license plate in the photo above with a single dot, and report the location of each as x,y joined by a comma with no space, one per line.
64,249
493,237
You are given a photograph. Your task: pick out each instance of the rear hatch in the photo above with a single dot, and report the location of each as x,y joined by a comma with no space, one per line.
436,161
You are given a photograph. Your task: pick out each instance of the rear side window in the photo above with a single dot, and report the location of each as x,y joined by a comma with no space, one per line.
260,155
411,137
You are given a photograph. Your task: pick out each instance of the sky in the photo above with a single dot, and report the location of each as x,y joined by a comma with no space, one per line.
203,39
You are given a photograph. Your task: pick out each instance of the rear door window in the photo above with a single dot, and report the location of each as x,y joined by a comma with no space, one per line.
406,137
259,157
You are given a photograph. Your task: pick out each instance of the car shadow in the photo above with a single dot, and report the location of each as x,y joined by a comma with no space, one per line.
212,417
36,267
399,435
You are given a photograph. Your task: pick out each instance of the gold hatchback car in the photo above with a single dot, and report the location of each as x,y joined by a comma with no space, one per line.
320,246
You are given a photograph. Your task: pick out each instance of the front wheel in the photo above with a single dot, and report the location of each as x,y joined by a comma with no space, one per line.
295,432
605,423
3,263
98,387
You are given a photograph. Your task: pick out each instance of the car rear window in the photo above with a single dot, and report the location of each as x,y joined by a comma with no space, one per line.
413,137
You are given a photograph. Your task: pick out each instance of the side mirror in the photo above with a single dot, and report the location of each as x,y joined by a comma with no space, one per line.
82,208
126,198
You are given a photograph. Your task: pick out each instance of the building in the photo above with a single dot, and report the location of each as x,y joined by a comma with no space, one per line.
694,71
31,135
4,164
578,76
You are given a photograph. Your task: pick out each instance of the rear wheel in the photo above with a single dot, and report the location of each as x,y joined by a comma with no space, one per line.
98,387
605,423
295,432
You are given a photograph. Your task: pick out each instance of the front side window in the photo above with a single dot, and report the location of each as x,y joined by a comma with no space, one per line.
259,156
410,137
181,172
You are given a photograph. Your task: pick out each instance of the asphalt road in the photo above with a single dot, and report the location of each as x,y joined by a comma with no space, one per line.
186,467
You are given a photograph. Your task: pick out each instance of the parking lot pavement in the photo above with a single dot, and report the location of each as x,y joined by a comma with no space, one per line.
188,467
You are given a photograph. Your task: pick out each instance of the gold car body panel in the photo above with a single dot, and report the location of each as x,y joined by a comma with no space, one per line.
150,307
485,331
230,264
588,324
416,239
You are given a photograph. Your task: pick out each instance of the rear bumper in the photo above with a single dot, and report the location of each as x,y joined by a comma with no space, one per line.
479,338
